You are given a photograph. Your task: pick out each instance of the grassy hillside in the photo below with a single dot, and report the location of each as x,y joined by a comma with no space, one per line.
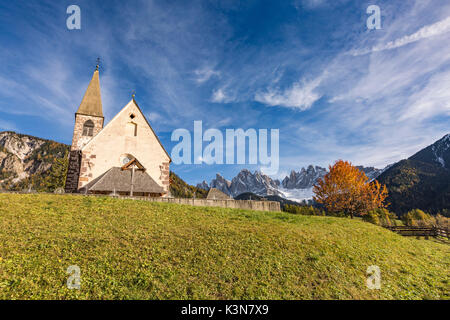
140,250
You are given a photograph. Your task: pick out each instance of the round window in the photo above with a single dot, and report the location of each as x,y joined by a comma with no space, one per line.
125,158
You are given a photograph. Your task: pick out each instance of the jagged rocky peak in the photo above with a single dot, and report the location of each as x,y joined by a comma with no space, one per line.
221,183
304,179
203,185
256,182
244,181
256,178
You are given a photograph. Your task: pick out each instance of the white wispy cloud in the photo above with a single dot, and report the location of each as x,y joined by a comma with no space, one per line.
386,105
317,4
38,96
203,75
309,3
427,31
173,70
154,116
221,96
432,100
301,95
383,106
224,122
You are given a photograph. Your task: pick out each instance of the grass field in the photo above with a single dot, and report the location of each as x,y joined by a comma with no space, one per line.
142,250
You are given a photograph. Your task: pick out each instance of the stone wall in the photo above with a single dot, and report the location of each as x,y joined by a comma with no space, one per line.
165,176
78,140
235,204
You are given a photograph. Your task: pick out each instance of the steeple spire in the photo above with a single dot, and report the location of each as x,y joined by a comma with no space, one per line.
91,105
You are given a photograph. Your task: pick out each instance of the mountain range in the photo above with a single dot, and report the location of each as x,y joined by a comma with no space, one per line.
420,181
297,186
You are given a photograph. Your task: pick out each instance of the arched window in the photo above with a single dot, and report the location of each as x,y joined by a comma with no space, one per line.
88,128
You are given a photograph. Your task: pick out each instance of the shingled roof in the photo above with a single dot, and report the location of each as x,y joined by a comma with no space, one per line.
217,195
91,105
116,179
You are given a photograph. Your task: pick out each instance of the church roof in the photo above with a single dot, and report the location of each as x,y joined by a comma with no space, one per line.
116,179
217,195
91,105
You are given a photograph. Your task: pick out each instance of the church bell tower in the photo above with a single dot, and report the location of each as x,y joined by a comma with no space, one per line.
88,122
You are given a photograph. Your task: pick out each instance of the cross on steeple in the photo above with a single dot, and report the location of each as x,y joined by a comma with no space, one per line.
98,63
133,94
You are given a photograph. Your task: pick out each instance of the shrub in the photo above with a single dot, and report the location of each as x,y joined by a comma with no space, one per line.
372,217
381,217
417,217
304,210
441,221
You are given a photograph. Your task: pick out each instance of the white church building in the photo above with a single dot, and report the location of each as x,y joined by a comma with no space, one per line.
123,157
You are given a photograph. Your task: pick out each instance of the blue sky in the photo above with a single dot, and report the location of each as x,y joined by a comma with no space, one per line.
309,68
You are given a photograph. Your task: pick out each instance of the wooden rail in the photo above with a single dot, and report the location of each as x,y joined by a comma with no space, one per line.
420,231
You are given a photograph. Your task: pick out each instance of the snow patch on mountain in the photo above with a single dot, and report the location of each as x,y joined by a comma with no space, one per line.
437,153
297,194
441,150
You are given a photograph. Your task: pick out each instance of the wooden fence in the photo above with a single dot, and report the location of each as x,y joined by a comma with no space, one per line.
420,231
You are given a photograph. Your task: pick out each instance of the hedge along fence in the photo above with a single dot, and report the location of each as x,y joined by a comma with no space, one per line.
234,204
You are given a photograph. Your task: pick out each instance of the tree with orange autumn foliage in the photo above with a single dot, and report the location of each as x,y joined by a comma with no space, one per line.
347,189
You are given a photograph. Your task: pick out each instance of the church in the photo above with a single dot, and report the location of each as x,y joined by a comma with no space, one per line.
124,157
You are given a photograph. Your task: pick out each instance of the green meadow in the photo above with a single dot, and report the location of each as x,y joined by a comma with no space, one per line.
130,249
